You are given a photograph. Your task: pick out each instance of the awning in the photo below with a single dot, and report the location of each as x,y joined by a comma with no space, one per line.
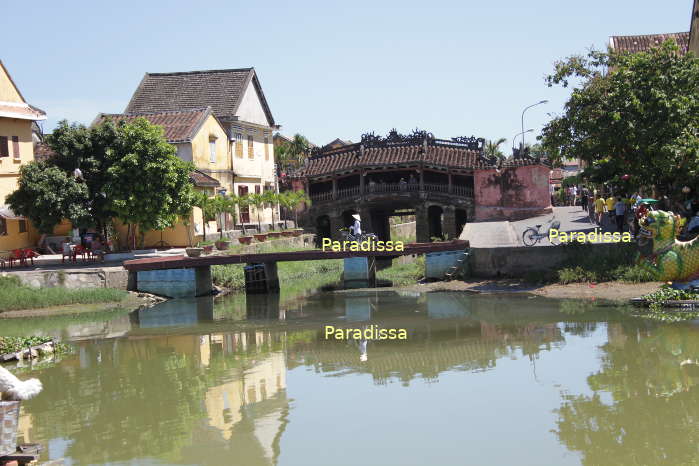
6,213
203,180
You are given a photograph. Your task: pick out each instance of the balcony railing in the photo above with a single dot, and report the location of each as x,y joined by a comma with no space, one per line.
345,193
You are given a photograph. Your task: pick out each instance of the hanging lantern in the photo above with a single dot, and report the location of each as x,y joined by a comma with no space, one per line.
625,177
686,189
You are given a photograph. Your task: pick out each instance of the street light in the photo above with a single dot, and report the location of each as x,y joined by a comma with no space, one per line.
522,134
525,109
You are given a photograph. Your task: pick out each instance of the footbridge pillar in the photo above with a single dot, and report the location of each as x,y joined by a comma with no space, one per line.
360,272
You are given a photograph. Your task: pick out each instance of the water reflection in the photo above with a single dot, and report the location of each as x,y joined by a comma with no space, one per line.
211,382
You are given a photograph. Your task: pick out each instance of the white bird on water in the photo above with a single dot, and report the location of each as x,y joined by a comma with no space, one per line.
13,389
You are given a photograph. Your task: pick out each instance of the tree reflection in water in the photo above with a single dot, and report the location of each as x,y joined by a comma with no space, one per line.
652,419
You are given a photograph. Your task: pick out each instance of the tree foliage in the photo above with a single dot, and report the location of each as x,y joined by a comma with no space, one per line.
635,114
492,148
147,184
46,195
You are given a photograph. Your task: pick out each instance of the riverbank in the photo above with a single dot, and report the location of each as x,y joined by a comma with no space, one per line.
610,291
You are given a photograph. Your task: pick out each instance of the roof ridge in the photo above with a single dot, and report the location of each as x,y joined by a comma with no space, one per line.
188,110
656,34
227,70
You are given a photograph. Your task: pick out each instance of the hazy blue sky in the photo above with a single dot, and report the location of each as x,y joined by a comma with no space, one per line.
328,70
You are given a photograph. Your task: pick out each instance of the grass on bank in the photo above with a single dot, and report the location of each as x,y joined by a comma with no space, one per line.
15,296
586,264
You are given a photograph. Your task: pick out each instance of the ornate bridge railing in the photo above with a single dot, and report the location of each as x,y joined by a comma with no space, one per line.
346,193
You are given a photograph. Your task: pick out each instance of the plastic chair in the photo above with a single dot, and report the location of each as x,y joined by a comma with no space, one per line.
79,250
16,255
29,254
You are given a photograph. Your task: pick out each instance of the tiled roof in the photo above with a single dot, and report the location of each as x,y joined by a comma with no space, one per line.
201,179
644,43
179,126
222,90
348,160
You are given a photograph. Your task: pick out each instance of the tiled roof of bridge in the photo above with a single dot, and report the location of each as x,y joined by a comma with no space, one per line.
351,157
645,42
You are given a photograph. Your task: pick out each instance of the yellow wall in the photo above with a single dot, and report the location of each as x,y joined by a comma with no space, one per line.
16,240
9,166
8,92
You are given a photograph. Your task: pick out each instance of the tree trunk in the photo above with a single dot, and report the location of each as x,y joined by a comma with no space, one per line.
128,235
259,222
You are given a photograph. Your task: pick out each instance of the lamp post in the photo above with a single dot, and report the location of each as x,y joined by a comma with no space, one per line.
525,109
518,134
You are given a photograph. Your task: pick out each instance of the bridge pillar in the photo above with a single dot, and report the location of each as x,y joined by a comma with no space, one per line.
422,226
449,223
261,278
360,272
175,283
437,264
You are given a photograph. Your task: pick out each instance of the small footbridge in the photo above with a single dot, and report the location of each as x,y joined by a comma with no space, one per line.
180,276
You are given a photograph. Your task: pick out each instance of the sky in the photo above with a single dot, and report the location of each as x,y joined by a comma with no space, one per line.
328,69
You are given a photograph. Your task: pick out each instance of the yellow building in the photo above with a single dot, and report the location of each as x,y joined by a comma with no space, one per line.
16,149
201,139
236,99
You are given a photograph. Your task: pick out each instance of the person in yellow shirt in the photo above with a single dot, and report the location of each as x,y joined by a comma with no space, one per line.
610,202
599,209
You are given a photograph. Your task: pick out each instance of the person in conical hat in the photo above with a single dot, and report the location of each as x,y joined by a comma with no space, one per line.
357,225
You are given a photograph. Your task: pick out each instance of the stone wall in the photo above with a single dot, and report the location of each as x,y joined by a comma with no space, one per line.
518,261
106,277
511,193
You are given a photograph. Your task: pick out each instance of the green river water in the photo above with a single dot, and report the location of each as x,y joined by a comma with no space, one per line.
480,380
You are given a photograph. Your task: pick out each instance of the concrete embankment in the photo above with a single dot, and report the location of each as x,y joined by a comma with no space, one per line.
518,261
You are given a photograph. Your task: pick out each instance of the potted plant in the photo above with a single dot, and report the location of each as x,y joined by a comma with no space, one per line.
207,246
221,206
261,237
245,239
287,233
274,234
194,252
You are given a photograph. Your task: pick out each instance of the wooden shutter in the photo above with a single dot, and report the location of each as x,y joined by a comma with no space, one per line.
257,189
239,145
251,151
266,148
4,149
15,147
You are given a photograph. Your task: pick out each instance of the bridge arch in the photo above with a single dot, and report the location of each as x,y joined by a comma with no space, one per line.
435,216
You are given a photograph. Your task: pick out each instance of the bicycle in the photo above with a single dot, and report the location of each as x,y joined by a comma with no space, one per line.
348,236
532,236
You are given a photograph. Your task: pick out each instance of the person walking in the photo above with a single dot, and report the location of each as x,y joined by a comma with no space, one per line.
599,209
620,211
610,202
584,199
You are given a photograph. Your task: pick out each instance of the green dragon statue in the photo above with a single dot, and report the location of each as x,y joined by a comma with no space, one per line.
665,257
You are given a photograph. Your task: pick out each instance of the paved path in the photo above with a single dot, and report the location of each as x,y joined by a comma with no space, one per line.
504,233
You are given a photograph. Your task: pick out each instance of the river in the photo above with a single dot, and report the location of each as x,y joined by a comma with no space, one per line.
480,380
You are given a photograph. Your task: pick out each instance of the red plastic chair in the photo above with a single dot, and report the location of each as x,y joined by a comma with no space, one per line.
80,251
29,254
16,256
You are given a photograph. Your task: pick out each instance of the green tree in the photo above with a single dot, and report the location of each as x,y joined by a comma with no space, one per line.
46,195
209,207
635,114
257,200
148,186
272,198
492,148
298,198
87,149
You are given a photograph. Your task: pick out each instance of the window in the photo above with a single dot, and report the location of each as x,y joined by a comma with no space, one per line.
4,149
22,226
239,145
15,146
266,148
3,225
251,152
212,150
257,189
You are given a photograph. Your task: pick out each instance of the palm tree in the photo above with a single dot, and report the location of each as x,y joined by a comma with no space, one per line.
298,198
285,199
258,201
272,198
208,208
299,149
492,148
